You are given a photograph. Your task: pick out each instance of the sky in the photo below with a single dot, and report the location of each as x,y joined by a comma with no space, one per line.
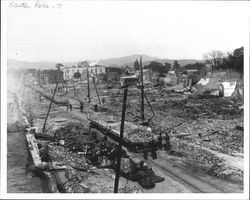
81,30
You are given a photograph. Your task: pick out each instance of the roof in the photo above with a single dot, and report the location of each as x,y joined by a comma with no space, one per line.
171,72
130,77
192,70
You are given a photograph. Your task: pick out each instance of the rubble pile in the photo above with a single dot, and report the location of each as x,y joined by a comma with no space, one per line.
139,135
194,154
60,154
219,135
74,186
210,163
226,172
231,143
74,136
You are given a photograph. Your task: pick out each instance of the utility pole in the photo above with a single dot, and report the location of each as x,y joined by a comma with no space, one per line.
88,84
66,81
49,107
96,91
74,87
39,78
118,165
142,90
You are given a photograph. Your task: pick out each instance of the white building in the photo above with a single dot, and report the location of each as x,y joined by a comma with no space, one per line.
97,69
68,72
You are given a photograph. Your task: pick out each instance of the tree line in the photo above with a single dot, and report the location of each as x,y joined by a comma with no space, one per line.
226,61
218,60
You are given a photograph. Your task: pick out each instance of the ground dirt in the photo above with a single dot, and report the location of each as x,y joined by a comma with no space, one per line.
17,179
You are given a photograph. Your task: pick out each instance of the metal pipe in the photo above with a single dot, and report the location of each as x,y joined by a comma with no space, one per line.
49,108
118,165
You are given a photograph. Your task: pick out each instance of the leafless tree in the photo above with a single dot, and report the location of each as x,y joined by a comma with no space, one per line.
215,58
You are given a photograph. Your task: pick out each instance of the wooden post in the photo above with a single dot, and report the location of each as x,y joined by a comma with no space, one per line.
74,87
88,85
66,86
142,89
148,103
118,165
39,78
49,108
96,91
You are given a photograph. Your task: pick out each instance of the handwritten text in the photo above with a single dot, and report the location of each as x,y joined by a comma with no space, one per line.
38,4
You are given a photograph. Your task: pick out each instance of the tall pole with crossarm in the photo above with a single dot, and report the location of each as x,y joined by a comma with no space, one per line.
119,155
142,90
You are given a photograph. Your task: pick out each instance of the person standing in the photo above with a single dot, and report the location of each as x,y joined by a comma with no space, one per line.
160,141
167,142
67,106
95,107
81,107
145,151
70,107
153,148
103,100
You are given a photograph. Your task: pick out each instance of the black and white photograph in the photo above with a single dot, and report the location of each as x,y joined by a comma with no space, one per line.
124,99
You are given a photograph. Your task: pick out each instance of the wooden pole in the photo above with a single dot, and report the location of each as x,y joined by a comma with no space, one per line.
142,91
49,108
39,78
74,87
96,91
118,165
88,85
66,86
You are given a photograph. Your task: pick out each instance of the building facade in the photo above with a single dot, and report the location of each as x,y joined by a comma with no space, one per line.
130,80
147,74
170,78
81,68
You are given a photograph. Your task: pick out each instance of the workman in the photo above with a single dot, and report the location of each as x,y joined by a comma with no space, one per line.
81,107
67,105
160,141
104,145
149,129
70,107
153,148
167,142
145,151
103,100
95,107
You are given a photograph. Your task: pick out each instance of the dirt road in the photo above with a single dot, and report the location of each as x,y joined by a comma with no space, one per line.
17,182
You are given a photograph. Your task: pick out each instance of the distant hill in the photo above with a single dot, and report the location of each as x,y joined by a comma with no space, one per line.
113,62
129,61
182,62
126,59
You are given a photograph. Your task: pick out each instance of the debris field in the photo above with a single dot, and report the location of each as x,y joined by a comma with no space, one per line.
206,132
